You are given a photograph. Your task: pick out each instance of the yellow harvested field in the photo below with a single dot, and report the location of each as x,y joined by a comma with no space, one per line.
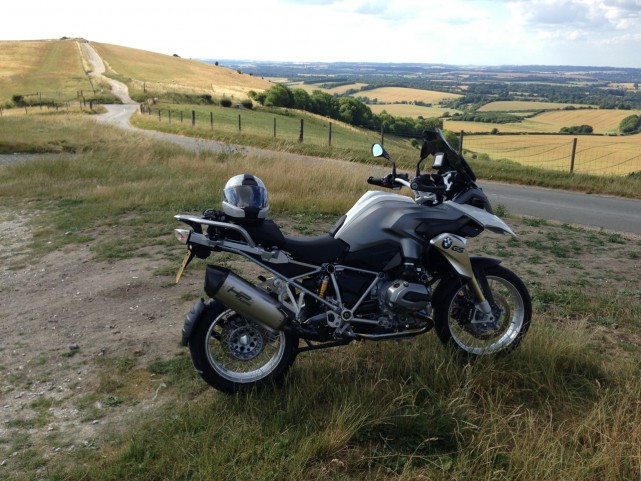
599,155
410,110
52,67
602,121
309,88
401,94
521,106
167,73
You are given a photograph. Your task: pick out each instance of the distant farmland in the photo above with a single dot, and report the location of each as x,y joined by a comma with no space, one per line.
603,122
410,110
401,94
335,90
522,106
599,155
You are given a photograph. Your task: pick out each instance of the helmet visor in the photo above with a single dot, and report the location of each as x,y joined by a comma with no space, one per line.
246,196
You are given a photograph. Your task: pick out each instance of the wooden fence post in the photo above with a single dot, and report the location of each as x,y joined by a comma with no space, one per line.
300,134
181,116
211,119
169,115
573,156
158,115
239,124
193,118
330,134
274,127
460,143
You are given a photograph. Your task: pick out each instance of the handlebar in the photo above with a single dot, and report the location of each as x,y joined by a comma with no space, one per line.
389,183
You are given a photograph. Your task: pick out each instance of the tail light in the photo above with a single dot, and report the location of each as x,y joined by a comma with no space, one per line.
182,235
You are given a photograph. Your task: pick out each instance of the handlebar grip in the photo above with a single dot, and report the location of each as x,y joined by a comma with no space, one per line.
427,188
377,181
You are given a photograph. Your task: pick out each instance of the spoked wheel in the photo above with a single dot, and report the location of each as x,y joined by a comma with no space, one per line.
232,353
459,323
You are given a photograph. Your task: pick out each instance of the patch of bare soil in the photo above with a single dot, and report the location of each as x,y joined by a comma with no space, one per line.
64,323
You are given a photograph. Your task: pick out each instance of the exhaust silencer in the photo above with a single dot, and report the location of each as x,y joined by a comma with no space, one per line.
245,298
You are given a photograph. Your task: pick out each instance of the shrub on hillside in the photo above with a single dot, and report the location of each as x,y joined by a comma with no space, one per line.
225,102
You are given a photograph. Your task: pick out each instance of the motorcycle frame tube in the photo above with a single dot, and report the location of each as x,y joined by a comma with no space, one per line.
277,256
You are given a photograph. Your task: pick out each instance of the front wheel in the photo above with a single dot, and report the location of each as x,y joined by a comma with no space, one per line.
459,323
232,353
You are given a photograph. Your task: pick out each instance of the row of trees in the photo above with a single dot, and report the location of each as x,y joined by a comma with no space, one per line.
345,109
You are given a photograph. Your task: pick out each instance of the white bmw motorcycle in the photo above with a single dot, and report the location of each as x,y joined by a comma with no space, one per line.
391,268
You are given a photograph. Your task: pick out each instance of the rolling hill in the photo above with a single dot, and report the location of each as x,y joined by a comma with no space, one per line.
57,69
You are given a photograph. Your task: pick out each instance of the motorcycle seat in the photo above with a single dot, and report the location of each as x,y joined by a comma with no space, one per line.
315,250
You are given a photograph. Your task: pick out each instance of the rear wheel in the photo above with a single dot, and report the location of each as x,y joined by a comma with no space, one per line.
460,324
232,353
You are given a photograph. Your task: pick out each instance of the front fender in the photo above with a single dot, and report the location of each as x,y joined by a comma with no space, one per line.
199,310
479,264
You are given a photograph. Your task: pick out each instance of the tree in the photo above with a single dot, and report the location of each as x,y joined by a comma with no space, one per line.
302,100
279,96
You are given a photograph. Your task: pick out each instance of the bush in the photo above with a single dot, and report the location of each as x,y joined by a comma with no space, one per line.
577,129
247,103
225,102
630,124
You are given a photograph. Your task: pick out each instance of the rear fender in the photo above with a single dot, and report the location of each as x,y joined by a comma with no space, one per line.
199,311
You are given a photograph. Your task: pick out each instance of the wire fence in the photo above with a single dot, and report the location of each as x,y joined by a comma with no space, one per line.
589,154
310,129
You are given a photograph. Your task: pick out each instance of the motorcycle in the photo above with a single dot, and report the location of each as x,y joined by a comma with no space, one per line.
392,267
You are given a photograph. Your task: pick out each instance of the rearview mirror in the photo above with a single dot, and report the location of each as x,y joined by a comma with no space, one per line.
378,150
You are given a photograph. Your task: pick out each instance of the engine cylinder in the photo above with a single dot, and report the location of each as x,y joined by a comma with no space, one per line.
403,297
245,298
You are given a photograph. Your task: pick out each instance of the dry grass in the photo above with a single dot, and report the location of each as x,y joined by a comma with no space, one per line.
53,67
401,94
163,73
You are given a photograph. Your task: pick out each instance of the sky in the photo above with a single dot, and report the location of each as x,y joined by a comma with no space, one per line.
457,32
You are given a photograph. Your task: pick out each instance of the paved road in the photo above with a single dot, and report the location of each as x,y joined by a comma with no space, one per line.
611,213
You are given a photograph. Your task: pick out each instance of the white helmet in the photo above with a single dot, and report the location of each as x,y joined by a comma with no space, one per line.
245,197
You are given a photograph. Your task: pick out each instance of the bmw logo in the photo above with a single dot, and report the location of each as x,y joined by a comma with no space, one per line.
447,243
